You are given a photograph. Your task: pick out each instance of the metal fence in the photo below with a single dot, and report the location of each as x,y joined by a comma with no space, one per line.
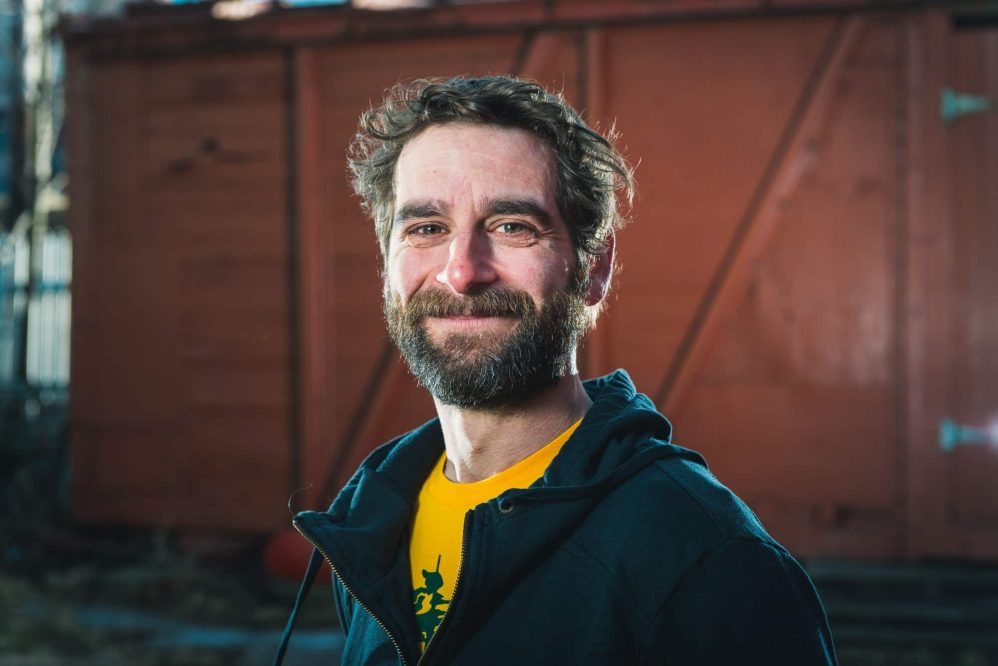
35,275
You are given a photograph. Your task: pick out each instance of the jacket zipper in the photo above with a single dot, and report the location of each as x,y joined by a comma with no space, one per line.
391,637
458,586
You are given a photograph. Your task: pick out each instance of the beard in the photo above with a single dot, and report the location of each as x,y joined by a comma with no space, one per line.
487,370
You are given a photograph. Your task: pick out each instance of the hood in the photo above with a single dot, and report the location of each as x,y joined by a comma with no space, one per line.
365,532
621,433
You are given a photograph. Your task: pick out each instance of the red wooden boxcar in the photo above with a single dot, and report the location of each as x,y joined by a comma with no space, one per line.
808,288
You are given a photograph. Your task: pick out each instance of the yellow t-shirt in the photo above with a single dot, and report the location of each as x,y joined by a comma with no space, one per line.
435,549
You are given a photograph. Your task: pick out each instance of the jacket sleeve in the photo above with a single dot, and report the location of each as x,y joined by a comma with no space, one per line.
746,602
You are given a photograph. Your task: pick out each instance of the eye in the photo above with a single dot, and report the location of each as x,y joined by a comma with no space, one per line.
515,228
423,234
426,229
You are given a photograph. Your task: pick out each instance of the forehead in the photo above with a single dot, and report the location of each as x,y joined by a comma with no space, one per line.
450,162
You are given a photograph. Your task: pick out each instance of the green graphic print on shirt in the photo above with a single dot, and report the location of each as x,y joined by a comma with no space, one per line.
429,603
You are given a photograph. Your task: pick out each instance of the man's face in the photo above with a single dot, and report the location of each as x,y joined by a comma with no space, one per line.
482,291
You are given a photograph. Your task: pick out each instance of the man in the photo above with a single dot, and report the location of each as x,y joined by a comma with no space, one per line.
538,519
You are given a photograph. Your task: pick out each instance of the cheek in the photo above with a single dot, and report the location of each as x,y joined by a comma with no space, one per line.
405,273
538,275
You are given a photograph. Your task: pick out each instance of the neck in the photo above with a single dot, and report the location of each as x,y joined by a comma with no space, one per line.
480,444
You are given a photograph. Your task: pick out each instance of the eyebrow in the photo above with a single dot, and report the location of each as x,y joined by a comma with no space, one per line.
525,207
415,210
423,208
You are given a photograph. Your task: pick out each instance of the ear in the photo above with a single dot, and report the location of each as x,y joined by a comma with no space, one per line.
601,273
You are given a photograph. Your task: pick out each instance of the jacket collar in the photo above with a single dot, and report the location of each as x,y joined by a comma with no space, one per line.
365,532
621,433
619,414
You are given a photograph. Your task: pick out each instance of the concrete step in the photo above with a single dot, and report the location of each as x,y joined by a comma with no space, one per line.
922,615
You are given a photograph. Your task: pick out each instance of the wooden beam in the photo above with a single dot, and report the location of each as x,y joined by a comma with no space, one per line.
314,391
795,155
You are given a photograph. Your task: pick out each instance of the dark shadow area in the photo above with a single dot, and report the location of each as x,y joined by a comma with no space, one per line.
933,613
115,595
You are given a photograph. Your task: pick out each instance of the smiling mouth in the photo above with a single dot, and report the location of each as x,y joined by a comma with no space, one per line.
472,317
473,321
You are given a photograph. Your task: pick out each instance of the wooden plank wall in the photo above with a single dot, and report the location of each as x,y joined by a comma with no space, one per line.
801,291
952,358
181,400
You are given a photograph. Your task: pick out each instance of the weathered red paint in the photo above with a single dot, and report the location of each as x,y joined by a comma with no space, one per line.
804,289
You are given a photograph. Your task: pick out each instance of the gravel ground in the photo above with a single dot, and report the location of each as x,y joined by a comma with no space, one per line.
104,606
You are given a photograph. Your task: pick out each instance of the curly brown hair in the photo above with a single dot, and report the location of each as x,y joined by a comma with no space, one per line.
590,171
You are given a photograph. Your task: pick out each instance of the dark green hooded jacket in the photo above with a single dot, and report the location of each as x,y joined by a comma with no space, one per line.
627,551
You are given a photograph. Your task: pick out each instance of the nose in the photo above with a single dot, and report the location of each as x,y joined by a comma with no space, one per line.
469,266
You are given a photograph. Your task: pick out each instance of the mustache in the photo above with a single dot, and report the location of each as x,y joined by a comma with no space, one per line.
491,303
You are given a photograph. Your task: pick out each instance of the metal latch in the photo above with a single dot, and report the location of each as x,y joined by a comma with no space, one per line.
953,104
952,435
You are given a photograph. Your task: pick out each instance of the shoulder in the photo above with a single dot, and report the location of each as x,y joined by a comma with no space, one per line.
712,511
676,499
663,521
753,593
698,562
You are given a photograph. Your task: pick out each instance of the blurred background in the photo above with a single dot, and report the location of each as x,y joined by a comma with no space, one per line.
191,345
